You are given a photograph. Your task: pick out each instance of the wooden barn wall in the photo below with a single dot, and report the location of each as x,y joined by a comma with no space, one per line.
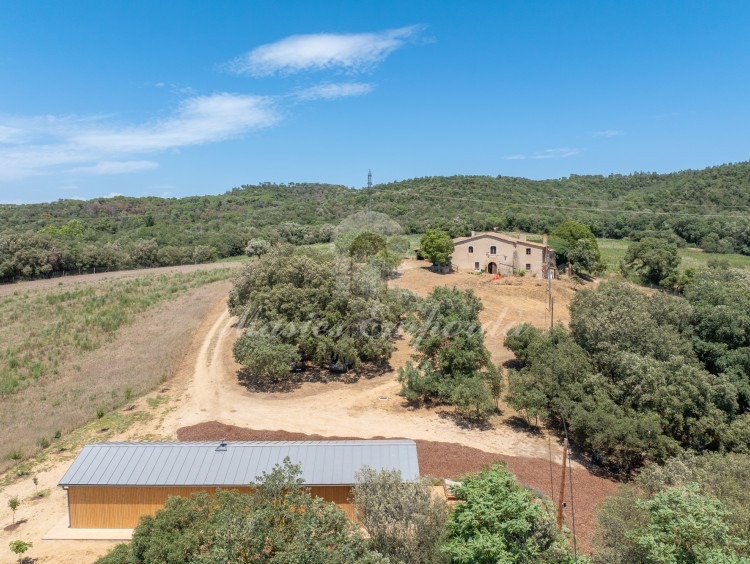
120,507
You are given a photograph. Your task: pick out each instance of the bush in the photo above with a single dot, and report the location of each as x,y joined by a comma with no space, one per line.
403,520
497,520
280,521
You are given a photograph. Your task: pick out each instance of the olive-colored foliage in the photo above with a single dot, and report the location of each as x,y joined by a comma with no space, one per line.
497,520
264,356
257,247
327,307
451,363
403,520
437,246
280,521
690,509
627,377
652,260
367,245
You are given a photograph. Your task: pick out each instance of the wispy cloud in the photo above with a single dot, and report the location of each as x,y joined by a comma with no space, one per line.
46,143
115,167
333,91
609,133
560,153
201,119
351,52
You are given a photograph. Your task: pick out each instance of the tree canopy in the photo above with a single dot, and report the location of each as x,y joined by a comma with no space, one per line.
279,521
451,363
497,520
651,259
638,377
306,304
437,246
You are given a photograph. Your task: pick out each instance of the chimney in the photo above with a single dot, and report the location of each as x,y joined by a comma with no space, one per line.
544,239
473,233
522,236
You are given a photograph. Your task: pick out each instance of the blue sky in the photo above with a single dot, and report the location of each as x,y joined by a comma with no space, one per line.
179,98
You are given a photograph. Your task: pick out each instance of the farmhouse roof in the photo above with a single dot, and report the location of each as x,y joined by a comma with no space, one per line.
498,237
235,463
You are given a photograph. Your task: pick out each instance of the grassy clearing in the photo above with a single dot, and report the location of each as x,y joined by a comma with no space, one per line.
68,446
124,355
613,251
44,329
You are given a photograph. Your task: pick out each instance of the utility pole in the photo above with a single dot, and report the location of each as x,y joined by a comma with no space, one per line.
561,501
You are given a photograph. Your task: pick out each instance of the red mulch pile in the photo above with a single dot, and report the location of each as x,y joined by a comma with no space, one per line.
451,460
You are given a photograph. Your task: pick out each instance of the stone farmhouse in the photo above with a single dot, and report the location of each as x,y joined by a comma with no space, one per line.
500,253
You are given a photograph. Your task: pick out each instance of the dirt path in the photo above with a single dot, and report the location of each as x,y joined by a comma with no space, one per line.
367,408
206,388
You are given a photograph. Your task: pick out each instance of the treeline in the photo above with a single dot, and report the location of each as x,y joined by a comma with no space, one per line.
643,377
707,208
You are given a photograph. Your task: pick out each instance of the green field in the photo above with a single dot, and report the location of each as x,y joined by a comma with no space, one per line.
613,251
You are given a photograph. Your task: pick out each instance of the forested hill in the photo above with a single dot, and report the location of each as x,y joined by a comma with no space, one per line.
713,202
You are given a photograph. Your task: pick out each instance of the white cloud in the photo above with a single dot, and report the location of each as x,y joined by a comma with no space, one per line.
201,119
115,167
352,52
112,195
546,154
556,153
45,143
333,91
609,133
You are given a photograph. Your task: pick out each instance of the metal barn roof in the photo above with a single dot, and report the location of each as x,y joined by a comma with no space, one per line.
235,463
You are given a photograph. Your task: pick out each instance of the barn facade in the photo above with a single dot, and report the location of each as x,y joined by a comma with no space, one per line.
111,485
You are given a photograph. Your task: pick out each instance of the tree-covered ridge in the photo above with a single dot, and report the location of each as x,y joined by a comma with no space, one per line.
686,198
708,208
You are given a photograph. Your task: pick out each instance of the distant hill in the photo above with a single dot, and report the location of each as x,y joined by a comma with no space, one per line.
712,203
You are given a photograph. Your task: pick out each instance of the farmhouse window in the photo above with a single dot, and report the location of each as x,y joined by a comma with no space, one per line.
528,266
476,266
493,250
528,251
471,249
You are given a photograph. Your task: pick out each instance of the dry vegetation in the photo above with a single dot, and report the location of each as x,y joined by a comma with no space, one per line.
69,355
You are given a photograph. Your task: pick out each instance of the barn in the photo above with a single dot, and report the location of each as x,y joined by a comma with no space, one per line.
111,485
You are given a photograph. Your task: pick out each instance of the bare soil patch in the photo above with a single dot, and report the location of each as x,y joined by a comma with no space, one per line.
451,460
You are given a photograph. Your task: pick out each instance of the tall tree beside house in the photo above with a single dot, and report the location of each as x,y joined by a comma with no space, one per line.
437,246
566,237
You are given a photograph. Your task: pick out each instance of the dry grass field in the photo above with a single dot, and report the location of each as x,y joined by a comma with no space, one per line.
71,353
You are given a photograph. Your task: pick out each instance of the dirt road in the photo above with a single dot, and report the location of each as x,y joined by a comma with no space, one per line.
206,388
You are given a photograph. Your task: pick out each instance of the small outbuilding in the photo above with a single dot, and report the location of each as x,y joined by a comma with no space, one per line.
111,485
